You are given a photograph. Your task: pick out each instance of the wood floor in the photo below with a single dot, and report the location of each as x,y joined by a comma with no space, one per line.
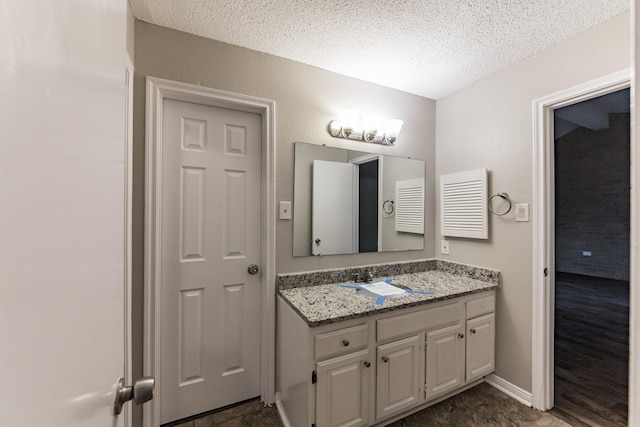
591,350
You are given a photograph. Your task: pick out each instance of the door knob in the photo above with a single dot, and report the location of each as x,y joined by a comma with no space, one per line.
253,269
141,392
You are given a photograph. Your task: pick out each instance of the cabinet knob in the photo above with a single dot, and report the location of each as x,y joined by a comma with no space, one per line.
385,359
460,335
367,364
473,331
345,343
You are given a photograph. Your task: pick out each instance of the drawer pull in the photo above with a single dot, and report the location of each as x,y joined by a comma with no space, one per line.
385,359
460,335
345,343
473,331
367,364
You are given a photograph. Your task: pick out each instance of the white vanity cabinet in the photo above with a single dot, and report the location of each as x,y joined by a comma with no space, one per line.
343,383
342,390
398,376
325,375
445,357
480,337
374,369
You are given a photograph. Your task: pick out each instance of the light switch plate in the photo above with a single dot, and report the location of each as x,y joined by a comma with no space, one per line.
285,210
522,212
444,247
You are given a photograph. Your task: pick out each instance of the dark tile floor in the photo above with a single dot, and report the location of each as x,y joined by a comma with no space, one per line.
481,406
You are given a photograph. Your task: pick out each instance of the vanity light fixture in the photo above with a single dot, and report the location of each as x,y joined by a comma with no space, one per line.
368,128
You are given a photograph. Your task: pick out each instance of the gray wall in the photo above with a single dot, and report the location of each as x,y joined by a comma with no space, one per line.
592,200
307,99
131,20
489,124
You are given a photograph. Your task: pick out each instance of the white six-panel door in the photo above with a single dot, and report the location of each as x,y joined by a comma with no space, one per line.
333,206
211,234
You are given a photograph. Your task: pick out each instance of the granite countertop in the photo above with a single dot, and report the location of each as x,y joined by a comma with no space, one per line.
329,303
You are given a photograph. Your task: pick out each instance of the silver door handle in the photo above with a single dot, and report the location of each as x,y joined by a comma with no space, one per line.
141,392
253,269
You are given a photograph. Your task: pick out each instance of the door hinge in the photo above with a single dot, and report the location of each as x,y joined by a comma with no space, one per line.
546,272
314,377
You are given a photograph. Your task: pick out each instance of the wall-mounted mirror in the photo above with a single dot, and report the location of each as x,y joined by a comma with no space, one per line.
348,201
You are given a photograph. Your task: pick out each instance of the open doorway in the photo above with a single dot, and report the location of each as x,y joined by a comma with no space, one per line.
592,229
368,227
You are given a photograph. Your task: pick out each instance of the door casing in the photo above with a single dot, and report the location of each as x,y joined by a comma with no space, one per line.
543,229
158,90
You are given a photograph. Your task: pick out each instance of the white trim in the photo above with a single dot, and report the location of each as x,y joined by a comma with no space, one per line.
634,315
128,232
543,226
380,200
512,390
282,412
355,208
157,91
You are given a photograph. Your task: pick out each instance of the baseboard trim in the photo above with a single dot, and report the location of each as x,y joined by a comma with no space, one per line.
509,389
281,412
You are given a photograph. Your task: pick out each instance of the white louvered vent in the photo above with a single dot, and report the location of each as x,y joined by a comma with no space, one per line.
463,204
410,206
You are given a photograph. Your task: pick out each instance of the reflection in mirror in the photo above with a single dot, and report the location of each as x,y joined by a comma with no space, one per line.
348,201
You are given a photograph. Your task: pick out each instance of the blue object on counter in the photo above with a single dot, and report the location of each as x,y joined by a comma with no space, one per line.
380,299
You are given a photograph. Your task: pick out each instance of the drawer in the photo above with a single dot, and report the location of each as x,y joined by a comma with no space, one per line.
341,341
480,306
427,319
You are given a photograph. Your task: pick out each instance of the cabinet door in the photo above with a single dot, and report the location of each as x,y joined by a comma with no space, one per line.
398,376
343,390
445,360
480,346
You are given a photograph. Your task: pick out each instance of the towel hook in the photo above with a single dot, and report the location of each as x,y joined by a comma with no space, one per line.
387,207
503,196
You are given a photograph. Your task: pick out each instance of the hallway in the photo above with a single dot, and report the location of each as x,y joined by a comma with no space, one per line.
591,350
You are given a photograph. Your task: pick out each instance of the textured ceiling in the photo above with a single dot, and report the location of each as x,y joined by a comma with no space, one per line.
426,47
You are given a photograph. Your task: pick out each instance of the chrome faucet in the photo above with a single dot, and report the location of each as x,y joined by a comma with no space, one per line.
370,275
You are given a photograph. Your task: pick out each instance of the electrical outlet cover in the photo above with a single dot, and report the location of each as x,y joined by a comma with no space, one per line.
285,210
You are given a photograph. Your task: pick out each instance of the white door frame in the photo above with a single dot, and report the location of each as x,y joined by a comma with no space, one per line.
128,228
158,90
543,228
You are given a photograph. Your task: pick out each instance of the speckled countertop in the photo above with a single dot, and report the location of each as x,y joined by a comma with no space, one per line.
326,303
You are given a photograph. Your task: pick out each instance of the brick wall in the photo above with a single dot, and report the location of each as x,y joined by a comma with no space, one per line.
592,200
